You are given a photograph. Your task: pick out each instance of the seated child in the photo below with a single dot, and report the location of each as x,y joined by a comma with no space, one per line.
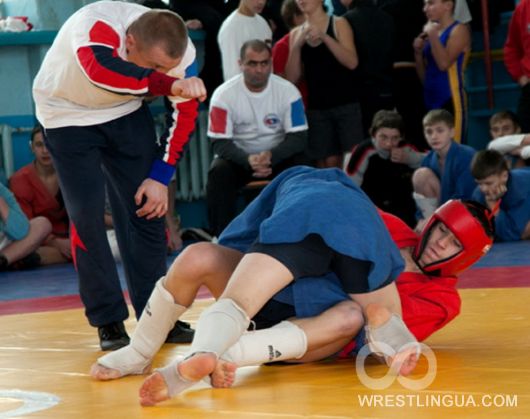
495,181
19,237
383,165
505,123
445,172
36,188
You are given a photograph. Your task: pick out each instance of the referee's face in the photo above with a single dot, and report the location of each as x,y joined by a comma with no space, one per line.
149,56
256,68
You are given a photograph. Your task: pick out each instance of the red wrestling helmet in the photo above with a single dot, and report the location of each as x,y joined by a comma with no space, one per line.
471,223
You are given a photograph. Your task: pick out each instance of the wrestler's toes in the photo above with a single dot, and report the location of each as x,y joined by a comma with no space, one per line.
153,390
230,373
224,374
405,361
409,365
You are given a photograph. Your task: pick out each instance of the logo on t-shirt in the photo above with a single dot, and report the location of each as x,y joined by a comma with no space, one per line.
271,121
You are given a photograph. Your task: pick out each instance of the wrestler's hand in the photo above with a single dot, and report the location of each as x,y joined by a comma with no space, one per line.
155,194
190,88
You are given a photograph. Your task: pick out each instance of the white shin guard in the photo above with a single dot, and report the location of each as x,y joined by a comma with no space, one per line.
219,327
158,318
279,343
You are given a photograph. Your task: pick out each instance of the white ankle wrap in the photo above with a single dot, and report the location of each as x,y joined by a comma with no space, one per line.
219,327
126,360
175,382
390,338
279,343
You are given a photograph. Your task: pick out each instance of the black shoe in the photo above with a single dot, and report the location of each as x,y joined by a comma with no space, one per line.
3,263
30,261
113,336
181,333
196,234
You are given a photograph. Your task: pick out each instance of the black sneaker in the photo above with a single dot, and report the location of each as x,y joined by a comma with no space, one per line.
113,336
3,263
30,261
196,234
181,333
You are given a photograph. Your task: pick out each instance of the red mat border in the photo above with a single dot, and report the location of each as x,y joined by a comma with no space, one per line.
491,277
63,302
496,277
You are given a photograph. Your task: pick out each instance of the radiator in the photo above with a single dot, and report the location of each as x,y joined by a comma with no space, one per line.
192,169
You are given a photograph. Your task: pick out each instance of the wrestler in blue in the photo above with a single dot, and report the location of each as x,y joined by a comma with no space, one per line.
304,202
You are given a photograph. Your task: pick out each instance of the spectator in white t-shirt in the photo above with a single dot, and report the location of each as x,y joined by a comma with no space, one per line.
242,25
258,128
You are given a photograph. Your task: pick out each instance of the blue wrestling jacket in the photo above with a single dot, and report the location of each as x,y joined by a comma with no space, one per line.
304,200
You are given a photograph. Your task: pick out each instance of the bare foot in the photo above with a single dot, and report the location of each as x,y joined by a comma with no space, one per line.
155,389
224,374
